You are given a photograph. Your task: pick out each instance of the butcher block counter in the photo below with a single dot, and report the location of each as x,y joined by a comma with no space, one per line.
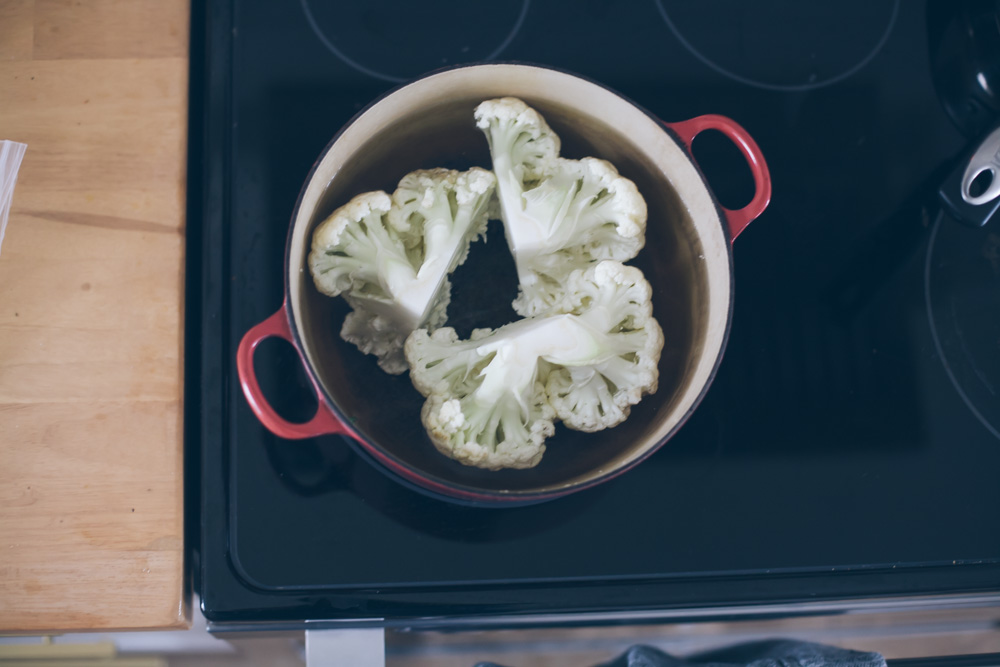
91,315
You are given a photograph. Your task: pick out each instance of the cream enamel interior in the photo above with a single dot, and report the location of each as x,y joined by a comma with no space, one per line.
634,133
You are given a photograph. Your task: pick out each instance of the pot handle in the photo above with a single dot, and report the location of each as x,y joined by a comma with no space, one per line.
324,422
687,130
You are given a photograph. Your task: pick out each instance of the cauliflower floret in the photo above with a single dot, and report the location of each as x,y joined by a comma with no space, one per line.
613,301
524,144
492,399
486,404
390,256
559,215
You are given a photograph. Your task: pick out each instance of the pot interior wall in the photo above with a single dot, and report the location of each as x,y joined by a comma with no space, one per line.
386,409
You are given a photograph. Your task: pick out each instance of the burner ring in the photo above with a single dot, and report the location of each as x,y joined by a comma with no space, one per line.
792,87
378,74
935,335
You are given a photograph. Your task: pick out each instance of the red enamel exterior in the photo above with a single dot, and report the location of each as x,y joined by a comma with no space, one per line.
687,130
324,422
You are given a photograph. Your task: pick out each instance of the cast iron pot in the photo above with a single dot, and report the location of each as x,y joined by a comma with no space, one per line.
428,123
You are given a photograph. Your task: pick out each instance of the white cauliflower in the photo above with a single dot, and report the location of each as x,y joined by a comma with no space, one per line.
492,399
390,256
588,347
559,215
486,404
597,392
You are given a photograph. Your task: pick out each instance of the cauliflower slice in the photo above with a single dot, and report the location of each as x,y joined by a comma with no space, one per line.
390,256
559,215
591,393
492,400
486,404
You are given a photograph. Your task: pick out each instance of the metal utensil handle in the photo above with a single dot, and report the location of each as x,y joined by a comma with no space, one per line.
737,219
957,191
985,159
324,422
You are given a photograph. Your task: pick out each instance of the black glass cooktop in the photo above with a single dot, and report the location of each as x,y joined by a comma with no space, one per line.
850,445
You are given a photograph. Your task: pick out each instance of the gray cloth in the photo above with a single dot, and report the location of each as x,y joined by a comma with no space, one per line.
776,653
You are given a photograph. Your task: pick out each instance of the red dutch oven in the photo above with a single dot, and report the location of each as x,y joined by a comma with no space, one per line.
428,123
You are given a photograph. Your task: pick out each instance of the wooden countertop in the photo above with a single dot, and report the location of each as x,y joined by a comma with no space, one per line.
91,315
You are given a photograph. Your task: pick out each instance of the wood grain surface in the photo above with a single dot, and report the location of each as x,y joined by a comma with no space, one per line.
91,305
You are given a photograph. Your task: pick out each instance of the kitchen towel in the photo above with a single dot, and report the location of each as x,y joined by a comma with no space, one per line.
11,154
772,653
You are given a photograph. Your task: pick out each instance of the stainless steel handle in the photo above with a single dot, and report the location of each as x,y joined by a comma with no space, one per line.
985,159
355,647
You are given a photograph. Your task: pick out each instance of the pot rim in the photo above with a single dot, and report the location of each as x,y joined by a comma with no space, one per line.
430,484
